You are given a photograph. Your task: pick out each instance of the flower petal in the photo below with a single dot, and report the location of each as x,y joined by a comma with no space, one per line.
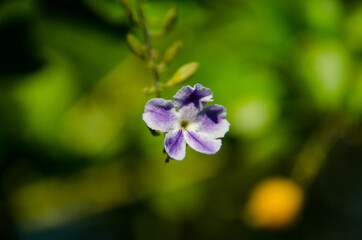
202,142
189,113
212,121
160,114
175,144
198,95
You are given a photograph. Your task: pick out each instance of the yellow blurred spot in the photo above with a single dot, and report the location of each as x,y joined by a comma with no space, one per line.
274,203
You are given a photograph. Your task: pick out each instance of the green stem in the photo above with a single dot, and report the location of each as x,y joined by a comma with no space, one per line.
315,151
150,53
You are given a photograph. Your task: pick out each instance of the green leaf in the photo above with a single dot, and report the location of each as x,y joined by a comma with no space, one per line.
136,46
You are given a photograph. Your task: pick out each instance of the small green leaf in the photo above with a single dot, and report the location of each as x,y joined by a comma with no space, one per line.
170,54
183,74
170,19
136,46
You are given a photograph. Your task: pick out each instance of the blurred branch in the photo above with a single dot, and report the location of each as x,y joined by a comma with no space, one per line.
150,53
146,52
316,149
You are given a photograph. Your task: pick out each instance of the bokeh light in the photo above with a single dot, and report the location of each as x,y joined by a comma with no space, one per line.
274,203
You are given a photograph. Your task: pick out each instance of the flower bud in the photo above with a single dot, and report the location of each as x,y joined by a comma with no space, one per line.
136,46
183,74
171,17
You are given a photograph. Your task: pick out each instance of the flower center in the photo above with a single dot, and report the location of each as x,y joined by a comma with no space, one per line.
184,124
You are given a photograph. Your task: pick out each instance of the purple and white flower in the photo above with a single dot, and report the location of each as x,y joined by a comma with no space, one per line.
188,121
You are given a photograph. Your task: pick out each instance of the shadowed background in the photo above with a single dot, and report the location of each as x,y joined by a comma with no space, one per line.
78,162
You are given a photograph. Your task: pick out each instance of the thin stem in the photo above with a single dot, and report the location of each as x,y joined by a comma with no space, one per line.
150,53
315,151
151,57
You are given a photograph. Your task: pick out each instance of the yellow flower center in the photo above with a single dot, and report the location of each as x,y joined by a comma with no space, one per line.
184,124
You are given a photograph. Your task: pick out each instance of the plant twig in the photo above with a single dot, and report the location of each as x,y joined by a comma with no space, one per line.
150,53
316,149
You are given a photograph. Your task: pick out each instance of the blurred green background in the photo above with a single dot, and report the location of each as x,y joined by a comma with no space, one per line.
78,162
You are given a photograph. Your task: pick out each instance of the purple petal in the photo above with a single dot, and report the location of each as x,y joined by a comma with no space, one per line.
175,145
160,114
212,121
198,95
202,143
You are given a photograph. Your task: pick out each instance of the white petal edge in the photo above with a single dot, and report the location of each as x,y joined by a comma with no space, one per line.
202,143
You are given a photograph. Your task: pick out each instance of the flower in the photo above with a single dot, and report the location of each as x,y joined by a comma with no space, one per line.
188,121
